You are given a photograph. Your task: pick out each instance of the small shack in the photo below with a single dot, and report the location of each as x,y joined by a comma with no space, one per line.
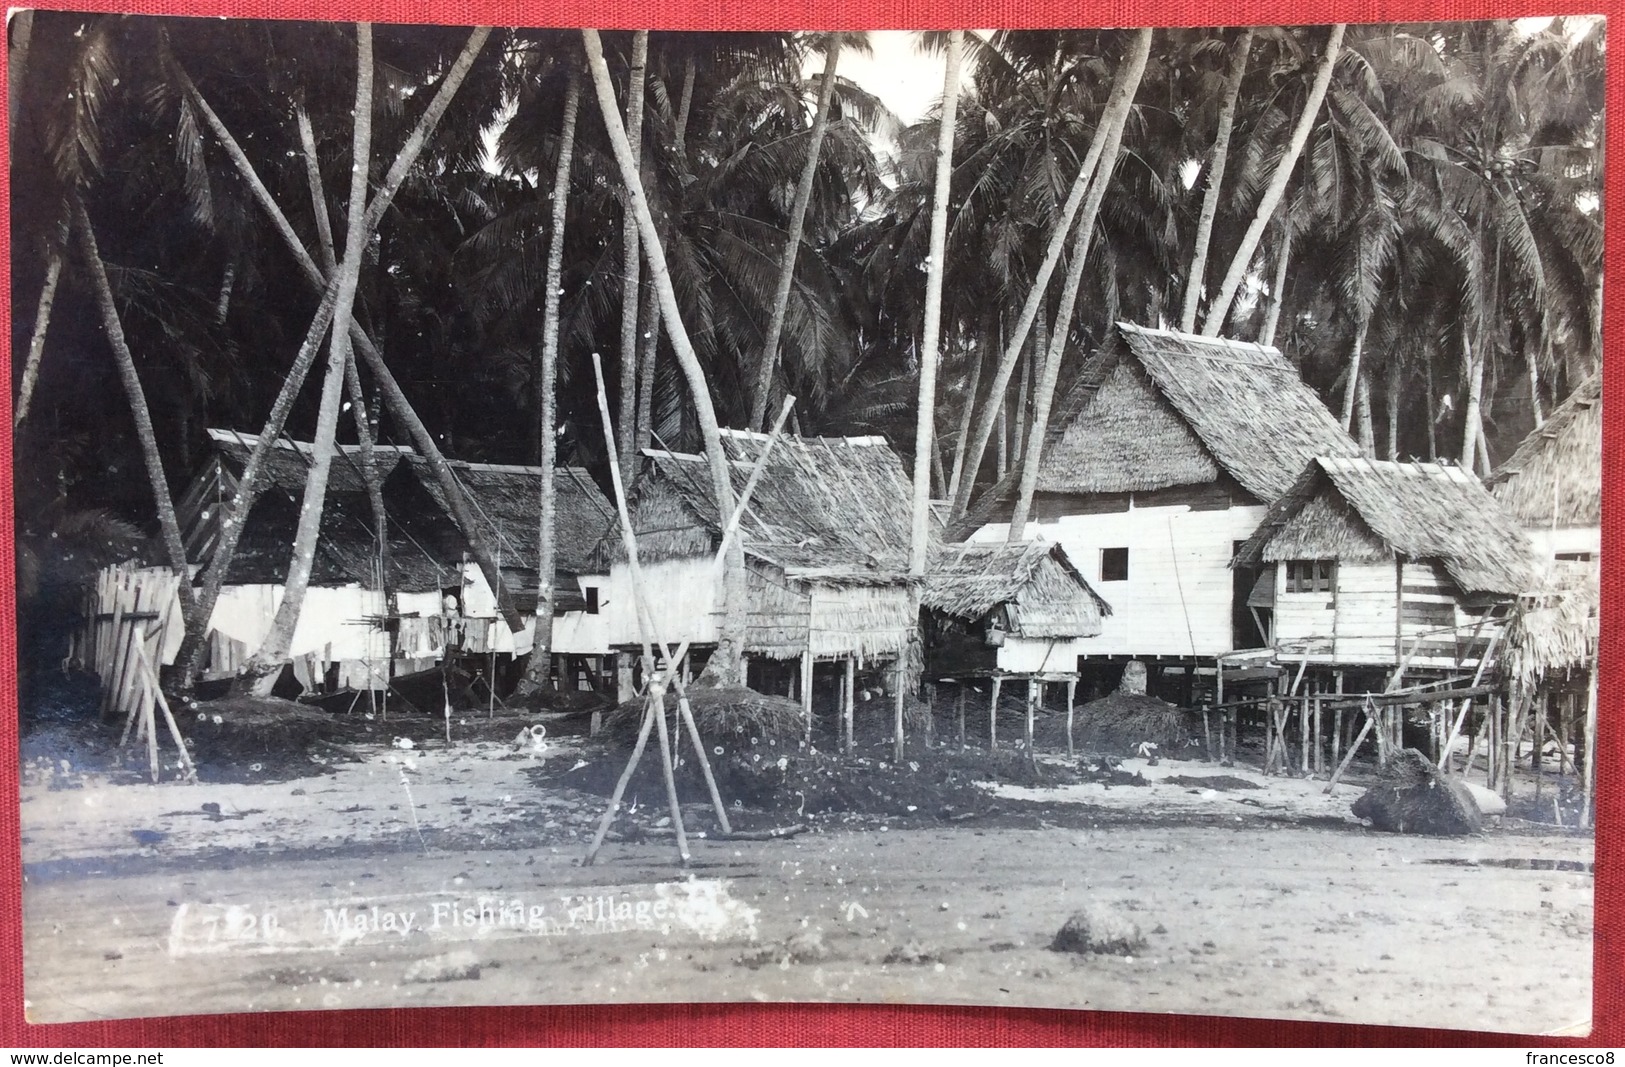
1377,563
826,539
1007,612
365,621
1552,482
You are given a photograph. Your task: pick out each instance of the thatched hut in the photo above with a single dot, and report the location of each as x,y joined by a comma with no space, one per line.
1552,482
1020,610
1161,459
826,540
1377,562
365,621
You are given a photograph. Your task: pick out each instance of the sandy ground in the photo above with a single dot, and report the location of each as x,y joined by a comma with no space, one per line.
449,876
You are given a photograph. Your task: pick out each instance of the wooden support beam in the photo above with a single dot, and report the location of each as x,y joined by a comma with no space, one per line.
993,716
1071,702
806,679
848,698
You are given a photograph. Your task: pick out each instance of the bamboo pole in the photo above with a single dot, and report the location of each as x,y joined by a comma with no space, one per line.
1588,789
806,694
1027,731
1071,701
993,717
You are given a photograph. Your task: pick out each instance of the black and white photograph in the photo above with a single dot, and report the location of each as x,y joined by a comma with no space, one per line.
1102,519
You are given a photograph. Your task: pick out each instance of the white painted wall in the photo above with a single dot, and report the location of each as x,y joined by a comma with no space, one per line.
682,592
1549,541
1029,655
1177,599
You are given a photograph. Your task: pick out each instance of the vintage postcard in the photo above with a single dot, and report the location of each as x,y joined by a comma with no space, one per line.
1084,518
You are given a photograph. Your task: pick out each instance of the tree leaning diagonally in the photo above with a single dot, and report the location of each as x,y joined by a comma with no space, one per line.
261,670
252,482
724,665
1109,139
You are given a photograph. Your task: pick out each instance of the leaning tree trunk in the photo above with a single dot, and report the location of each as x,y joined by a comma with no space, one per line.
168,527
1219,309
792,244
1029,310
631,266
260,673
1351,387
1272,317
1215,178
22,32
540,666
252,482
1471,414
724,667
1110,134
36,341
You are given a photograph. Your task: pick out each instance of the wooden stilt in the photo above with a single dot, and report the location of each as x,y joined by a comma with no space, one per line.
1303,733
687,714
1033,689
959,714
848,698
993,716
1071,703
1588,787
1354,746
807,694
604,823
897,712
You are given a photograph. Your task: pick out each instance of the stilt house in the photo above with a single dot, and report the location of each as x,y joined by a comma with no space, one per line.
1374,563
363,622
1162,459
998,609
1552,483
826,540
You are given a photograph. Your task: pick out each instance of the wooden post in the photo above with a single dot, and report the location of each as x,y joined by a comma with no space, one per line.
1071,701
1588,788
959,713
1303,733
848,698
1033,688
897,711
1337,734
993,716
1207,737
1354,746
806,694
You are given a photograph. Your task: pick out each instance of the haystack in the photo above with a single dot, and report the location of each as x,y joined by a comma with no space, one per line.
730,718
1413,797
1130,717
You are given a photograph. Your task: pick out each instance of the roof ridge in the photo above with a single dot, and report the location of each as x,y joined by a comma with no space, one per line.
1196,338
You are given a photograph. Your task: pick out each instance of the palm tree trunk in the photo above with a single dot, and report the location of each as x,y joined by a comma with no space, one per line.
931,331
1215,178
1110,131
1351,384
1272,317
36,341
685,105
1393,408
1471,419
1219,309
1534,391
252,482
1433,412
260,673
540,665
631,265
647,353
798,217
168,526
724,665
1029,310
1367,433
318,197
966,411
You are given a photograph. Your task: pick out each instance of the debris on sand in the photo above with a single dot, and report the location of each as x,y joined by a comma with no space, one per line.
1122,722
1412,797
458,966
807,946
1099,928
911,951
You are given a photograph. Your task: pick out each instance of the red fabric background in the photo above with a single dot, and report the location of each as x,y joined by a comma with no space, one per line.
756,1024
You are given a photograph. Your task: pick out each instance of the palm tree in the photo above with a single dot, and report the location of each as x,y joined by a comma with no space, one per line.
724,667
1107,141
1219,309
1213,179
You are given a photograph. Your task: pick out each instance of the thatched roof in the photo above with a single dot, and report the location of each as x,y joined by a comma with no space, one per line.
346,549
506,502
1554,477
831,509
1047,595
1555,627
1360,509
1159,408
426,547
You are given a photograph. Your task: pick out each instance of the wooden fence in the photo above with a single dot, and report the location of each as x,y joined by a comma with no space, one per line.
126,615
